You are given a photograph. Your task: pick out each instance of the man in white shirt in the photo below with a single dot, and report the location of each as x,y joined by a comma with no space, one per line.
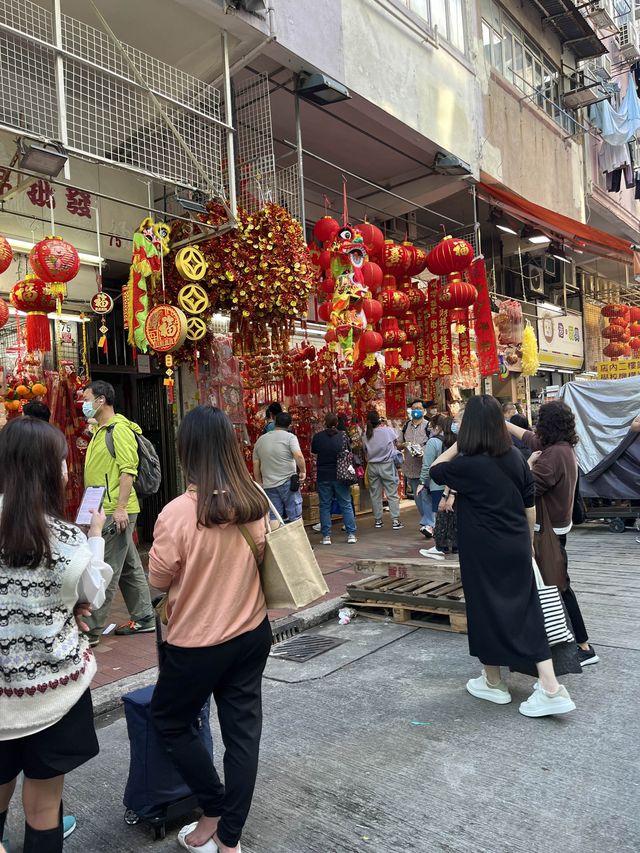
278,465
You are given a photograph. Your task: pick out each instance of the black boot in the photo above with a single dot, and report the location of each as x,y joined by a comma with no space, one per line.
3,820
43,840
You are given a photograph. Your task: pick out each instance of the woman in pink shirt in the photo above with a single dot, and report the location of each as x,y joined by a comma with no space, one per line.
219,636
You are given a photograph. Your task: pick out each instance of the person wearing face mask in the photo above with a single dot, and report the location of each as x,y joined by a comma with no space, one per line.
415,434
117,473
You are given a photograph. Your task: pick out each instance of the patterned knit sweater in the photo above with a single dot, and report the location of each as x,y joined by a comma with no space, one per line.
45,663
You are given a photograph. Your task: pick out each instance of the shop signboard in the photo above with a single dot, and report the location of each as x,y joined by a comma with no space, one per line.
621,369
560,338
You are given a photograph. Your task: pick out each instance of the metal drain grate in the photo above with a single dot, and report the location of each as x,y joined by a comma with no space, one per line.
304,647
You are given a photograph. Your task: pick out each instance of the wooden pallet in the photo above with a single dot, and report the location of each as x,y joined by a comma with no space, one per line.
431,603
407,568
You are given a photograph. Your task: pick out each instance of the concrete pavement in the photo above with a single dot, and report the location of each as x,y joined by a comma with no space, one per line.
376,746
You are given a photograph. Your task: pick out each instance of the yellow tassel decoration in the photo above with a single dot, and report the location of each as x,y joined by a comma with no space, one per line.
530,360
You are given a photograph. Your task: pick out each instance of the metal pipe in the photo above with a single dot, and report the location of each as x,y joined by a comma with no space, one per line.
60,87
476,223
228,108
300,154
370,183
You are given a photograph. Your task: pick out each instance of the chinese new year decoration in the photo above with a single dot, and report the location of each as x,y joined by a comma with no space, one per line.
530,359
102,304
150,244
4,313
451,255
6,254
486,344
54,260
36,298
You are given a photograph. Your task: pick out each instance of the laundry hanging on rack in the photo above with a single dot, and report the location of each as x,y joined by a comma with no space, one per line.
622,125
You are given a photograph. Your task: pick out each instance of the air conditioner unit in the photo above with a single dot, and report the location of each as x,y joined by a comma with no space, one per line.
599,68
534,276
600,13
627,40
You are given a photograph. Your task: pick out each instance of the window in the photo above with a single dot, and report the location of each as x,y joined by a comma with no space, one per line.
446,15
511,52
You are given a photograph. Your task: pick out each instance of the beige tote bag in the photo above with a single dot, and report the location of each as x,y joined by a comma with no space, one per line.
289,573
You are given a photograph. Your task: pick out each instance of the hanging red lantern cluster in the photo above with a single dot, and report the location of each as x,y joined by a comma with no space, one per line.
37,299
621,331
615,309
6,254
617,350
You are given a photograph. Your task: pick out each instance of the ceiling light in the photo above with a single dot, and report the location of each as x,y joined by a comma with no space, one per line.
533,235
502,223
44,159
322,90
24,247
551,309
558,253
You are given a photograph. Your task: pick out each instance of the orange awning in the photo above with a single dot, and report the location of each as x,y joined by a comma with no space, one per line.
580,235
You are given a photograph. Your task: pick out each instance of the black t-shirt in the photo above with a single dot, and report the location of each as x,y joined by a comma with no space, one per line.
327,445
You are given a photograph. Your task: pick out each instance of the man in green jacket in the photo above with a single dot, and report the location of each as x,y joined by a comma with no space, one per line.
116,473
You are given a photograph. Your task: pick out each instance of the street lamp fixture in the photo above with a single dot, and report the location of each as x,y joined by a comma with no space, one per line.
47,160
321,90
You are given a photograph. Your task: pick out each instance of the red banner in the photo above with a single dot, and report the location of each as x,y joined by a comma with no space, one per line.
464,343
485,332
433,319
445,347
395,398
421,361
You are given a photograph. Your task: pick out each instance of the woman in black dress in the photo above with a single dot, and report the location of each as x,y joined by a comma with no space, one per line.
496,517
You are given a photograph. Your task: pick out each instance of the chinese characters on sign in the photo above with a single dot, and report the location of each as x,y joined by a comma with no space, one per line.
165,328
41,194
621,369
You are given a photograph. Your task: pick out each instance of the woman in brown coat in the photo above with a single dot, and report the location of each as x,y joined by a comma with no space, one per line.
555,471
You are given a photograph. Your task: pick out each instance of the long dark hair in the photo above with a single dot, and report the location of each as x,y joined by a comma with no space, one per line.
483,429
556,423
212,462
31,455
373,421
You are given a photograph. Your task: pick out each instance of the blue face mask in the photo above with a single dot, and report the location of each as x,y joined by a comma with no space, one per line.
416,413
454,428
87,409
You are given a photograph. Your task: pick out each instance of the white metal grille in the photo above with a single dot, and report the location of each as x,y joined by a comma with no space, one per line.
288,191
110,116
256,165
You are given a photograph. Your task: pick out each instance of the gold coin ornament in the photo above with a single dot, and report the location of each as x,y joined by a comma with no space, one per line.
196,328
191,263
193,299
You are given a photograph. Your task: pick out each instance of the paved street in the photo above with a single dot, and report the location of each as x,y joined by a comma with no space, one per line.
376,746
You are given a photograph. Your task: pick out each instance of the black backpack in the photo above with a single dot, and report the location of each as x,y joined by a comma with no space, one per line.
149,475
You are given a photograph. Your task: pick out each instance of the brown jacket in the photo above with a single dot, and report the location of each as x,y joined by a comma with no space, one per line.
556,476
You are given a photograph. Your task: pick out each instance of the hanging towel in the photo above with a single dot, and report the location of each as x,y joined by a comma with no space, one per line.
620,127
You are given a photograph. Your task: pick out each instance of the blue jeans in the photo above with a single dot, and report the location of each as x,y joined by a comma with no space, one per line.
285,501
423,502
342,493
436,497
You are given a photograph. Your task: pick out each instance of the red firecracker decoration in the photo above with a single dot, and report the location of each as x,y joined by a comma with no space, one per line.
373,239
4,313
486,344
452,254
54,260
6,254
457,294
325,229
36,298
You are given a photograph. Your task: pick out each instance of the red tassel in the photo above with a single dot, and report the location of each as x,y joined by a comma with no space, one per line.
38,337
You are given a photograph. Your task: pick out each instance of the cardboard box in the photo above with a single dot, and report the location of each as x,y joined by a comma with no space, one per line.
310,499
311,514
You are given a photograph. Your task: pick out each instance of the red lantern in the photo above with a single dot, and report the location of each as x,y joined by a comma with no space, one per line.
616,333
615,309
370,342
634,315
614,350
416,298
634,343
371,276
54,259
395,303
37,299
623,322
373,239
324,311
4,313
325,229
419,260
634,330
395,259
457,294
393,337
6,254
372,311
324,260
411,327
450,255
327,286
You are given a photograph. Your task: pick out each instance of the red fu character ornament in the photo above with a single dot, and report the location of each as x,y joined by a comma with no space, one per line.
36,298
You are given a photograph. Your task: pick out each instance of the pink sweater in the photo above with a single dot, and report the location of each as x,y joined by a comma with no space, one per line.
210,574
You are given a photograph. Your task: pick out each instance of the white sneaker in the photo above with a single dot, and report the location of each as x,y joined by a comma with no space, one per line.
541,704
351,539
317,528
481,689
432,553
209,847
326,540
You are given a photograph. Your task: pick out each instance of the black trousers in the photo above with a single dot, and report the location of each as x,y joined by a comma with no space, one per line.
570,600
232,672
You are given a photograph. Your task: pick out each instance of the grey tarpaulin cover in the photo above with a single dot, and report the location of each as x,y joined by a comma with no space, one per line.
607,453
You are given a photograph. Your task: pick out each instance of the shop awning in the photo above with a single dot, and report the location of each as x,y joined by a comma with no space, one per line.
578,234
575,31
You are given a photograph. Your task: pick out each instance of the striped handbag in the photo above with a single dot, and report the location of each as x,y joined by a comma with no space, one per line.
555,619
